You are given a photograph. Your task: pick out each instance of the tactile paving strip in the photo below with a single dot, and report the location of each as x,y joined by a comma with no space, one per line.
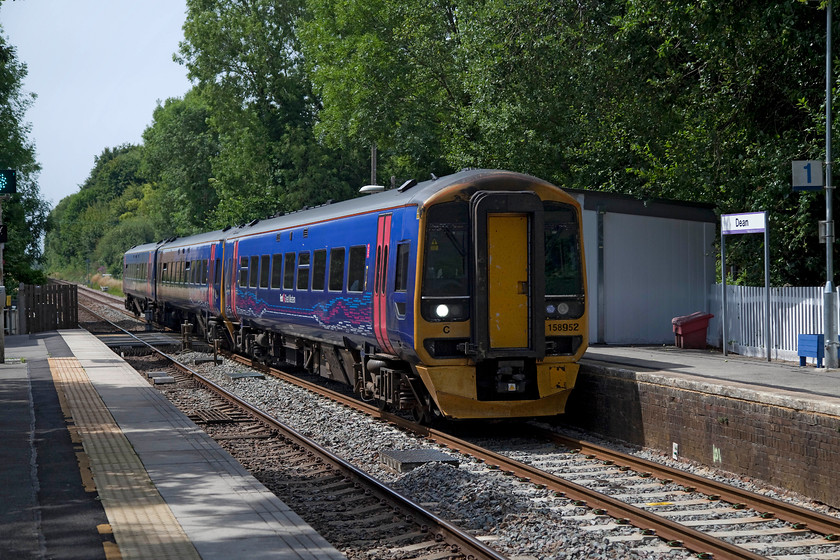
144,526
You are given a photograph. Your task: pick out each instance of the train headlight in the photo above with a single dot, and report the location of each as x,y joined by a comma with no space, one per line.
550,309
445,309
563,308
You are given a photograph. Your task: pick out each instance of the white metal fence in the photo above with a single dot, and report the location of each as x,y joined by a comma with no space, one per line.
793,311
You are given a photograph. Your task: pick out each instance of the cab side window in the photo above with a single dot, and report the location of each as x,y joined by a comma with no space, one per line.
401,280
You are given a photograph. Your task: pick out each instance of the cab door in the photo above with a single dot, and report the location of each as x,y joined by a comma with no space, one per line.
509,286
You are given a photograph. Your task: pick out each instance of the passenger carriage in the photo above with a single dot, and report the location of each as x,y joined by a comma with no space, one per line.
462,296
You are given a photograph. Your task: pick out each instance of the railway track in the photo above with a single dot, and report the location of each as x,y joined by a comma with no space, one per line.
357,513
707,517
711,519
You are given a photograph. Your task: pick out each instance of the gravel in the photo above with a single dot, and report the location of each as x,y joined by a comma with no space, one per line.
519,519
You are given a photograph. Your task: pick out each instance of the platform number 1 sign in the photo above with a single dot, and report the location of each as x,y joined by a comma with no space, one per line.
808,175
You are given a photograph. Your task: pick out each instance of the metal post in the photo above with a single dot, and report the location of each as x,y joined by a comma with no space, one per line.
373,164
3,303
767,336
602,304
723,289
829,309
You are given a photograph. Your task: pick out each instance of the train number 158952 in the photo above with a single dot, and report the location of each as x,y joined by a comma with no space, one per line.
563,327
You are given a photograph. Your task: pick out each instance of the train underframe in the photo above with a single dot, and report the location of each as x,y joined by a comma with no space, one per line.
492,389
375,377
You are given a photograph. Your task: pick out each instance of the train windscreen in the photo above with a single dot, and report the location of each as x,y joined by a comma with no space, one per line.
445,290
562,251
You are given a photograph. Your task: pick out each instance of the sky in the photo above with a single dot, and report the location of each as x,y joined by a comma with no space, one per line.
99,69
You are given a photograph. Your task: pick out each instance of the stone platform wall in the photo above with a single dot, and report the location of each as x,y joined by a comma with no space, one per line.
775,436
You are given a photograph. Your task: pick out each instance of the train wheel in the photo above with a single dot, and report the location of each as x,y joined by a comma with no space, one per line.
426,412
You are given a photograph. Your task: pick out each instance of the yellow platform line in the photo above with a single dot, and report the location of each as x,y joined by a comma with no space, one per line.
144,527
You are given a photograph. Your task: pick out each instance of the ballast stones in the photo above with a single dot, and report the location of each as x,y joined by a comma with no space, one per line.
404,460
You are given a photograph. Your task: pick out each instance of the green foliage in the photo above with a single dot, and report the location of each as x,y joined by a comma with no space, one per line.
246,60
388,74
25,213
680,99
80,222
179,147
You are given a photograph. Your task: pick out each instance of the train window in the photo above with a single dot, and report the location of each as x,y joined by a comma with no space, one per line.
337,269
447,250
243,272
254,271
217,274
277,271
562,251
356,269
189,272
205,271
289,276
303,271
319,269
401,280
265,270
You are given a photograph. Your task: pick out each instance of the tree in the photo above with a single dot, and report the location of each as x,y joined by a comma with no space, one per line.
179,148
389,74
736,84
25,214
81,221
245,58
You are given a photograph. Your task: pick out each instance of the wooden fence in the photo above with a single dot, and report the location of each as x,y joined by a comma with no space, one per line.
793,311
47,308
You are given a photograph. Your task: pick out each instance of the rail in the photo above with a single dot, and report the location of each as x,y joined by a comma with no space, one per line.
464,543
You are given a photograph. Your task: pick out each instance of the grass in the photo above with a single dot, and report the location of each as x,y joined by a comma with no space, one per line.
114,285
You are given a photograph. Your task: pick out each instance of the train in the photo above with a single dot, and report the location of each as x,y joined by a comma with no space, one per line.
460,297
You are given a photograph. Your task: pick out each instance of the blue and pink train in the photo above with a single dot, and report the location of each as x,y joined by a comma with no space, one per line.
459,297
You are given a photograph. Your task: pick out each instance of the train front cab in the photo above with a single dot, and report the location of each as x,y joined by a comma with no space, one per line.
502,298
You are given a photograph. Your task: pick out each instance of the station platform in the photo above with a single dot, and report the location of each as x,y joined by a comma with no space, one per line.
774,421
97,464
780,382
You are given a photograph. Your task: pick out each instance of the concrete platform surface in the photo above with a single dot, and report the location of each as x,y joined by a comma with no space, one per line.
164,488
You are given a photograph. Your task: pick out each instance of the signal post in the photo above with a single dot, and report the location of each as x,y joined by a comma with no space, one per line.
8,187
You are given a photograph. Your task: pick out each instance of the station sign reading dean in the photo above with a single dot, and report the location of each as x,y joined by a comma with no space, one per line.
751,222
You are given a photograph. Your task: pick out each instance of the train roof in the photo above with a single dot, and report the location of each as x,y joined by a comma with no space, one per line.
410,193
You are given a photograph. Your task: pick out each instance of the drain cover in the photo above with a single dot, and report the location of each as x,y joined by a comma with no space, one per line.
405,460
